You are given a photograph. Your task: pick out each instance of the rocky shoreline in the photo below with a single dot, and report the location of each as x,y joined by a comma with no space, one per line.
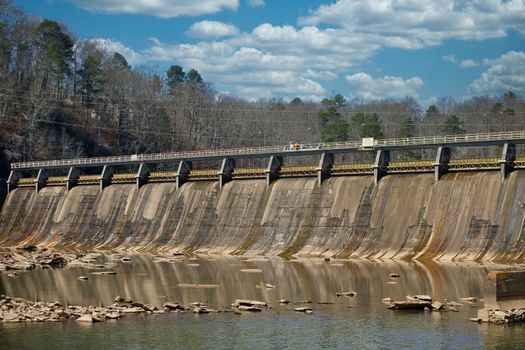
14,310
498,316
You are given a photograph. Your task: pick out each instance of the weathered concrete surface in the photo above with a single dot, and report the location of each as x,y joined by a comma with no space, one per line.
505,290
464,216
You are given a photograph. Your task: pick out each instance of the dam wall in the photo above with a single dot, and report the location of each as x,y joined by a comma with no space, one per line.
465,216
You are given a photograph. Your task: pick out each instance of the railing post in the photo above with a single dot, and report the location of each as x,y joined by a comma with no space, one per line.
72,178
226,170
381,164
325,165
105,177
274,168
12,180
182,172
142,175
508,157
441,163
41,179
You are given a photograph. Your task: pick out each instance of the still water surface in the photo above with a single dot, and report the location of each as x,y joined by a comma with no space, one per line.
360,322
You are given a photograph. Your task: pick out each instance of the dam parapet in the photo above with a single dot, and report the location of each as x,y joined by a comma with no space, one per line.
381,150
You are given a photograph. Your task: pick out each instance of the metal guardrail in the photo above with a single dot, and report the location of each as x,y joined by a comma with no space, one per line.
419,166
293,149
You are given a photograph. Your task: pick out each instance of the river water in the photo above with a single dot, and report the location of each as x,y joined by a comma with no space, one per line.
359,322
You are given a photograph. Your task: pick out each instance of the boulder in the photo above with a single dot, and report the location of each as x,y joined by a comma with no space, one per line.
409,305
56,261
437,306
85,318
132,310
173,306
200,310
247,302
303,309
470,299
248,308
11,317
149,307
423,297
113,316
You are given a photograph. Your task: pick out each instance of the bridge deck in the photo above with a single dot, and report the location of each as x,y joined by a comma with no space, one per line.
482,139
420,166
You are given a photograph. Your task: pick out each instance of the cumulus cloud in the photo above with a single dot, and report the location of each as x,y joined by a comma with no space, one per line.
256,3
158,8
289,61
468,63
271,60
212,29
369,88
113,46
507,72
414,24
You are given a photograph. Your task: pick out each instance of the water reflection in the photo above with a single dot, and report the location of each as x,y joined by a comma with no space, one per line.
219,281
362,320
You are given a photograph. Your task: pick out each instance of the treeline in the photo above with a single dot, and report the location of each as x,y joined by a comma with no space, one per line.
61,97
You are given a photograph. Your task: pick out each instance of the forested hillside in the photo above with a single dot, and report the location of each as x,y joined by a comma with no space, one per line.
64,97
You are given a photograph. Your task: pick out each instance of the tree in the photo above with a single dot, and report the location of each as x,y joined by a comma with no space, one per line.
432,112
119,62
335,130
175,75
334,126
339,101
407,128
91,80
368,125
510,95
193,75
453,125
56,52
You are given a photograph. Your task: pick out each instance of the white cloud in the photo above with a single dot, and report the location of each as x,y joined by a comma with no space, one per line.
320,75
256,3
370,88
288,61
468,63
112,46
421,23
270,61
507,72
212,29
158,8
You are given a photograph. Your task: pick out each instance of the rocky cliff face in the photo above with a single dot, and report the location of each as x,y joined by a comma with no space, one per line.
464,216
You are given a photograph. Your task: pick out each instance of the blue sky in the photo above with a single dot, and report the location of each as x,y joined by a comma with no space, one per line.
312,48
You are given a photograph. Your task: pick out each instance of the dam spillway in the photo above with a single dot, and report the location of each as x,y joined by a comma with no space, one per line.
465,216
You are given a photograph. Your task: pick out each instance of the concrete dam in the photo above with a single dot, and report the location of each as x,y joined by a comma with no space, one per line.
437,214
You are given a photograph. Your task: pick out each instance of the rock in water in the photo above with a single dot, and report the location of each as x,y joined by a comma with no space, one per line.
303,309
173,306
86,319
437,306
